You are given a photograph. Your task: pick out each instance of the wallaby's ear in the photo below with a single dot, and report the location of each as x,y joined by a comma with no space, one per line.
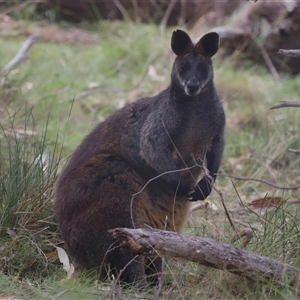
209,44
181,42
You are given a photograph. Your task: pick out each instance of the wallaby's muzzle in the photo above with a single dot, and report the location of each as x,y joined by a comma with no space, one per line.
192,87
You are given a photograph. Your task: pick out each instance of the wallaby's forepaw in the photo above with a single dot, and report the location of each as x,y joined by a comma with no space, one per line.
183,188
202,190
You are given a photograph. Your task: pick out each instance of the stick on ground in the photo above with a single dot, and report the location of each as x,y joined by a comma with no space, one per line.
21,55
207,252
286,104
293,52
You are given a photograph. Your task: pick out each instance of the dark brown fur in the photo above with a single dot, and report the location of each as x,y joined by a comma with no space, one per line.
122,156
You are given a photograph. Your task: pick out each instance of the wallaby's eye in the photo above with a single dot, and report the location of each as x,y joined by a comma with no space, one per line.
202,69
183,69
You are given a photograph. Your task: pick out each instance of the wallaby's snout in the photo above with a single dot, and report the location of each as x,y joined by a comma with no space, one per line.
192,87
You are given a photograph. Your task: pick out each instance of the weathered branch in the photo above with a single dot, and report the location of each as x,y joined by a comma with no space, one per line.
207,252
21,55
293,53
296,151
286,104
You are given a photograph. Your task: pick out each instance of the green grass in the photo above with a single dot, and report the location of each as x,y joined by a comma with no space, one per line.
67,89
27,169
117,65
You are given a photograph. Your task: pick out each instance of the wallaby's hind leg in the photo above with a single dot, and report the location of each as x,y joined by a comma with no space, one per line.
129,268
92,199
154,268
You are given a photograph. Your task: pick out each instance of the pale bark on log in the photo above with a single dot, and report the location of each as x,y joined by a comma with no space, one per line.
207,252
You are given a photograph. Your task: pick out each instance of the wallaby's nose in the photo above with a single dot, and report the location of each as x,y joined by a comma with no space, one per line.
192,87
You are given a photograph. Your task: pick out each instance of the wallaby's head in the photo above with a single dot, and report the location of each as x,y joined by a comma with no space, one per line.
192,70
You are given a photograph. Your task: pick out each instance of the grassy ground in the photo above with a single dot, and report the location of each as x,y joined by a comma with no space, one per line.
51,101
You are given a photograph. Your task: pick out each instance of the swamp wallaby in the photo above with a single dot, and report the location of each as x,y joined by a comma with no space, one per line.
144,164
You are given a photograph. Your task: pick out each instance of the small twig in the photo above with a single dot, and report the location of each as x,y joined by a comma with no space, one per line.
292,53
267,166
168,12
295,187
199,205
40,251
124,268
246,233
286,104
91,91
150,180
246,225
161,279
161,276
221,196
183,9
116,291
265,56
122,9
20,56
225,208
20,7
175,282
58,295
269,63
296,151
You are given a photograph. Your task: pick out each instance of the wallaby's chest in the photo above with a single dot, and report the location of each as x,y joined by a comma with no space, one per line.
195,134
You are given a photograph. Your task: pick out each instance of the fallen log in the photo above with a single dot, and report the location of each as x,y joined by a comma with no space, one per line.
208,252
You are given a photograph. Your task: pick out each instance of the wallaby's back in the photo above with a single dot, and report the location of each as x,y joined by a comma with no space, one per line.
156,148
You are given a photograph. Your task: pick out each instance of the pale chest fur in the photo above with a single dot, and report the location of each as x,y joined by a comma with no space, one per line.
166,213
